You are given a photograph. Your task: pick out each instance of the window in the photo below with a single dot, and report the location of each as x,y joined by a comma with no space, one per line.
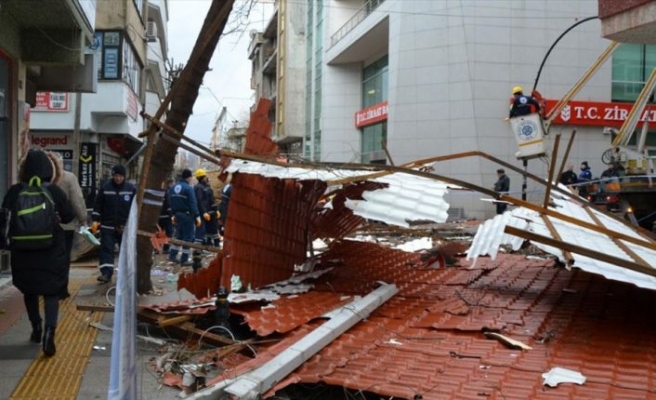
374,83
110,54
372,140
131,68
119,61
139,5
632,65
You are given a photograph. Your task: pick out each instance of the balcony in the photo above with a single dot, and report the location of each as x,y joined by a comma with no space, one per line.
53,32
359,16
628,21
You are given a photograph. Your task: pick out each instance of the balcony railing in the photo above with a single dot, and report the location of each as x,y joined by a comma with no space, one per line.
368,7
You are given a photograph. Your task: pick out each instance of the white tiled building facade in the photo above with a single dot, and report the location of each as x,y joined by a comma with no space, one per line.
445,73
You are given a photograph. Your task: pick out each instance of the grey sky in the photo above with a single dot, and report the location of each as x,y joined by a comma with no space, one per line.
228,82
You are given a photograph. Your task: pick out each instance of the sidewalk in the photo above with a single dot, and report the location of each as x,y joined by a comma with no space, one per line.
80,369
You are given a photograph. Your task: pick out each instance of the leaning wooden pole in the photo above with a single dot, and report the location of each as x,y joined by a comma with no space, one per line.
159,163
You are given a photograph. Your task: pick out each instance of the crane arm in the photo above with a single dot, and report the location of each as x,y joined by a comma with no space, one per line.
578,85
631,121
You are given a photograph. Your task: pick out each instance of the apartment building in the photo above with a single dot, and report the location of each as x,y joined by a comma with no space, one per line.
431,78
42,48
94,131
278,56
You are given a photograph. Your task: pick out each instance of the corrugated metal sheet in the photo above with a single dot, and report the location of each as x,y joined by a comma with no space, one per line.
402,197
429,343
406,198
267,228
491,235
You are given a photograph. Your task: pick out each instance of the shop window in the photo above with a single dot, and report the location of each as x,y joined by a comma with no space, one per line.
632,66
373,137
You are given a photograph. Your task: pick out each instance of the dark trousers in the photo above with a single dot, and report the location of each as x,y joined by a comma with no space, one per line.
108,239
184,230
501,208
51,304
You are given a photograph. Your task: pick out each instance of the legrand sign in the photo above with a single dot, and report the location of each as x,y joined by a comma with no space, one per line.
49,141
371,115
597,113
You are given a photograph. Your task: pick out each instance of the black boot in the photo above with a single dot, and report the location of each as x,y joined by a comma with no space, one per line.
49,342
37,331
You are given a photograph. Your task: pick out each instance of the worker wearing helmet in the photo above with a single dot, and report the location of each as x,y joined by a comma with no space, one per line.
521,104
205,199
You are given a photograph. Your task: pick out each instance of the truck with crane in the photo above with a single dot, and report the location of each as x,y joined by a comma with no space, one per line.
630,191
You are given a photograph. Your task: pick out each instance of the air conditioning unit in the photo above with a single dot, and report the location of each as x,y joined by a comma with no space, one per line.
151,31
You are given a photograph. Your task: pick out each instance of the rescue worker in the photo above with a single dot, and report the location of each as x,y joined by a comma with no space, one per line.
522,105
205,200
164,221
184,209
110,213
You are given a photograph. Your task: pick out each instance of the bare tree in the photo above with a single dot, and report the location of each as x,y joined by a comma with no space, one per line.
160,155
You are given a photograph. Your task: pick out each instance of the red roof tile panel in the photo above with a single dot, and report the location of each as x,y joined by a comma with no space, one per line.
266,231
429,339
289,312
258,134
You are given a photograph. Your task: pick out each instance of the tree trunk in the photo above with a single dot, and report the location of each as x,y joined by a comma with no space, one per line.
158,162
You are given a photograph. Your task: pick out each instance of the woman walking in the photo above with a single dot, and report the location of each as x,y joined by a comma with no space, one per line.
40,271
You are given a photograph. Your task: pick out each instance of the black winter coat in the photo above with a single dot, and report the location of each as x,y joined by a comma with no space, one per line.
112,205
41,272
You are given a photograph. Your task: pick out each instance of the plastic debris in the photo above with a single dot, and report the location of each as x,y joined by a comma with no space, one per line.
235,283
90,237
559,375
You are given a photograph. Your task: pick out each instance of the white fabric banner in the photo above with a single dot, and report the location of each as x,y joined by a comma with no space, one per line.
123,369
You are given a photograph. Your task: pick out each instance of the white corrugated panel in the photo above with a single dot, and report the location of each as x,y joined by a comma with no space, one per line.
407,197
277,171
491,234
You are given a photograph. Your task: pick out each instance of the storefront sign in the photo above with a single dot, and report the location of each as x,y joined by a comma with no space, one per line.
597,113
49,141
51,101
132,108
371,115
67,158
87,166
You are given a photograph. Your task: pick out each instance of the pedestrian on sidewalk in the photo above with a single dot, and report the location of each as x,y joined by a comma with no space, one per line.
110,214
71,186
41,272
502,186
185,213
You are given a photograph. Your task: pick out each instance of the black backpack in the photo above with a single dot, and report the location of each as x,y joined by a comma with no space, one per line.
34,218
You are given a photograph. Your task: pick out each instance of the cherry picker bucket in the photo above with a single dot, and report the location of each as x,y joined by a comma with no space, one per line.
529,135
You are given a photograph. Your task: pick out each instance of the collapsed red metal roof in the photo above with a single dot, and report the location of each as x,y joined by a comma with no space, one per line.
429,339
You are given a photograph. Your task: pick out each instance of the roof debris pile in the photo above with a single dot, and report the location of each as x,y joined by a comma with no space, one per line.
579,236
390,307
496,327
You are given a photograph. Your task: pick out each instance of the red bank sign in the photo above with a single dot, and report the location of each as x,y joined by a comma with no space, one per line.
371,115
597,113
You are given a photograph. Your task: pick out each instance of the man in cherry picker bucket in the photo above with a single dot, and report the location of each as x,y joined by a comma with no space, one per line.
521,104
